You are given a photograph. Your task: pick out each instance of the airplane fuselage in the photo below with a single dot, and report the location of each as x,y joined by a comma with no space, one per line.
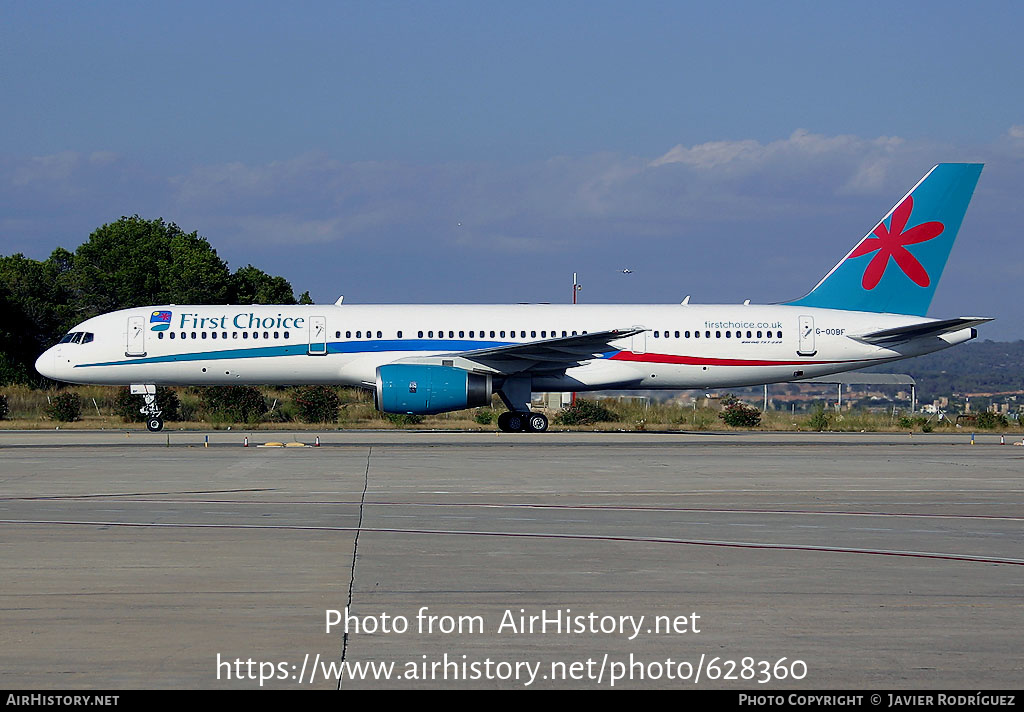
681,347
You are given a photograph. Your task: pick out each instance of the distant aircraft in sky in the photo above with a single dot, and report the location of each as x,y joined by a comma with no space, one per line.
627,270
869,309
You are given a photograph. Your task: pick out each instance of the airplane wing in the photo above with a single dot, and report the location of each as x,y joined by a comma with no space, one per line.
916,331
547,356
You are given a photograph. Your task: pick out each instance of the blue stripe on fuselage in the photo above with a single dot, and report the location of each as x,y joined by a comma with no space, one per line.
338,347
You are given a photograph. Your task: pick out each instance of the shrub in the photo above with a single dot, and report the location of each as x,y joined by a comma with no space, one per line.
988,420
818,420
317,404
65,407
741,415
484,416
128,406
585,412
239,404
4,409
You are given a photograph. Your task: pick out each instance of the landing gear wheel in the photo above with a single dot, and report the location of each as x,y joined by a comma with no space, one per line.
155,425
509,422
537,422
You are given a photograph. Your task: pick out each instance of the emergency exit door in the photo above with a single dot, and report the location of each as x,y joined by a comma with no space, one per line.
638,343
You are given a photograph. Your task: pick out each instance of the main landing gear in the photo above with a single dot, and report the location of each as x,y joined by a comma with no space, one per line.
513,422
515,394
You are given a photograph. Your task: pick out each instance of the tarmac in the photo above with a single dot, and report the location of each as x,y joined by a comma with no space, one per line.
761,561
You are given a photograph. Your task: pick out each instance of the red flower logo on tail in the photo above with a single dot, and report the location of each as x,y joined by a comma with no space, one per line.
890,242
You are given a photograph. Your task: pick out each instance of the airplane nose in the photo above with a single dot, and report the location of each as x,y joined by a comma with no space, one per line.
46,364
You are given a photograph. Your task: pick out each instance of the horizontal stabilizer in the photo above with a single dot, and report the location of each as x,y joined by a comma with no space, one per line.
916,331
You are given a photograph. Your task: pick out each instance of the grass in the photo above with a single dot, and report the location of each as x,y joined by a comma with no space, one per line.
27,412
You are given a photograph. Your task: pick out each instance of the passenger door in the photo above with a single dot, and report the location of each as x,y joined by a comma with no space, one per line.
317,336
806,347
135,344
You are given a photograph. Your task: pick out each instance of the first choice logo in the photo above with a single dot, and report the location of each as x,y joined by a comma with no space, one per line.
245,320
160,321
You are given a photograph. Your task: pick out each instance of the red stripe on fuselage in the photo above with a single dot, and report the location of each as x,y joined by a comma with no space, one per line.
707,361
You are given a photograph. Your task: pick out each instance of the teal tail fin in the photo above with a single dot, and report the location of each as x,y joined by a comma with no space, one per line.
896,267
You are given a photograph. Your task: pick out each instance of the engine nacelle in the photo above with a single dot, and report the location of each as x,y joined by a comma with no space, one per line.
426,389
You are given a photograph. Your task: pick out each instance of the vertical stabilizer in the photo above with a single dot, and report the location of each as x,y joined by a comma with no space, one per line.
896,267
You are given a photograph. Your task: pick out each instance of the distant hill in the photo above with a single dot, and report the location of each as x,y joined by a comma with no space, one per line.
977,366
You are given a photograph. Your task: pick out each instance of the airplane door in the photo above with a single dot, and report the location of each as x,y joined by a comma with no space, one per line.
806,347
136,339
317,336
639,342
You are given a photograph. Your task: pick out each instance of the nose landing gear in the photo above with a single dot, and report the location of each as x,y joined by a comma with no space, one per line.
154,423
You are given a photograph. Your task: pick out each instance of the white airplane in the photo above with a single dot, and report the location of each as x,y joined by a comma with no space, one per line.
869,309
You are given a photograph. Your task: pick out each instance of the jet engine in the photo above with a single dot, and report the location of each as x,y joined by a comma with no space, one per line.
425,389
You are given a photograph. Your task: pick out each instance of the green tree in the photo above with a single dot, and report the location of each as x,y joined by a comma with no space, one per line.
251,285
135,262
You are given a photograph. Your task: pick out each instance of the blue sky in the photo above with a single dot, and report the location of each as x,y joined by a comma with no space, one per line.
483,151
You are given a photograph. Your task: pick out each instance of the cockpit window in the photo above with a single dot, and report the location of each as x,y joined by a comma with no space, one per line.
77,337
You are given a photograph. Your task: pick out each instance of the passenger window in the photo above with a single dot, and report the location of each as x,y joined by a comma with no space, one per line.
160,335
543,334
462,334
492,334
430,334
707,334
728,334
503,334
172,334
399,334
359,334
696,334
563,332
574,333
380,335
718,334
778,334
286,334
213,335
769,334
337,334
277,335
245,334
194,335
